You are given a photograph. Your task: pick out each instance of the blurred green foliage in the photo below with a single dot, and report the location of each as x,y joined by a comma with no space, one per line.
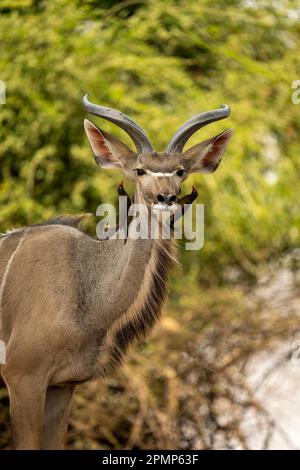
160,62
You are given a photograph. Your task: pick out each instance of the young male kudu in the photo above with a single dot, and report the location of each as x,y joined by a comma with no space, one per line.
71,304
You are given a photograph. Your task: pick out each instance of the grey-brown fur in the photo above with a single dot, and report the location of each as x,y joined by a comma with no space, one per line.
87,335
71,304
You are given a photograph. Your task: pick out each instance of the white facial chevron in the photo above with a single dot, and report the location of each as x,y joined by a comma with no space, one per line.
153,173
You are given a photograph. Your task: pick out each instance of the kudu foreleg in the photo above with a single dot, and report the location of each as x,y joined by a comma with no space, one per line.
56,419
27,402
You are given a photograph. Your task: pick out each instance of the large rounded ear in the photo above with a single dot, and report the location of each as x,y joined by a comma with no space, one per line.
109,152
206,156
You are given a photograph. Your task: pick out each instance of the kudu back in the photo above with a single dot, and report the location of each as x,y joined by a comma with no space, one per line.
71,304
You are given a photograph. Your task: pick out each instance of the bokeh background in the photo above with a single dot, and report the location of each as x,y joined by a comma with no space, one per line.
231,325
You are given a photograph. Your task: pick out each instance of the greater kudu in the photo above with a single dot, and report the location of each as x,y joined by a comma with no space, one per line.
71,304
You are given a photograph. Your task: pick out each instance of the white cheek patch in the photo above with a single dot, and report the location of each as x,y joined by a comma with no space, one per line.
153,173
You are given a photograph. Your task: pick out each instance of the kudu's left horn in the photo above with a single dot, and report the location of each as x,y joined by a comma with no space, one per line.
134,131
182,135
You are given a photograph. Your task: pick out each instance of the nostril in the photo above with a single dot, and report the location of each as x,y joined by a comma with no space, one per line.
167,198
170,199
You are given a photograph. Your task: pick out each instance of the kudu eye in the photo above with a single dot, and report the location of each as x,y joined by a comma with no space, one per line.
140,172
180,172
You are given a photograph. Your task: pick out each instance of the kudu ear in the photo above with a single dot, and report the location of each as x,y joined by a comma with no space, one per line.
109,152
206,156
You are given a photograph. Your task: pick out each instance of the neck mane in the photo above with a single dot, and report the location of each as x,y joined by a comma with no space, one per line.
138,320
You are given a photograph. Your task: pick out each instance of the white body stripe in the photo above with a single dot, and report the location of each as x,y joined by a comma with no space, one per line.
2,286
8,232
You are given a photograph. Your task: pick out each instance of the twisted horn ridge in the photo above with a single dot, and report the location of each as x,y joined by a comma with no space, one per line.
134,131
193,124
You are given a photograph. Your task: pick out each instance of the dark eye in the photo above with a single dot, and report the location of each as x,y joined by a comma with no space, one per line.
180,172
140,171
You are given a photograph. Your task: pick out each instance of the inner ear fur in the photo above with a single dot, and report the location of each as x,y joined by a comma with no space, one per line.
108,150
206,156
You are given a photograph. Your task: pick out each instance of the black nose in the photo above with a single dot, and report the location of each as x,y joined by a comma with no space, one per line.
167,198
